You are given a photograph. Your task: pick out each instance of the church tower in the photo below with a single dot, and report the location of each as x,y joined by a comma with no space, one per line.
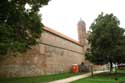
82,33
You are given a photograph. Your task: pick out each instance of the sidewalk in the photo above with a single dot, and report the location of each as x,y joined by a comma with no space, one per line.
73,78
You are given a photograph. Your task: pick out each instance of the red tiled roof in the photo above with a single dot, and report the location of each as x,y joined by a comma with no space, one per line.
61,35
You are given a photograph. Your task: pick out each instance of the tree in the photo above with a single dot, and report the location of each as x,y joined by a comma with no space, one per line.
106,41
20,26
120,55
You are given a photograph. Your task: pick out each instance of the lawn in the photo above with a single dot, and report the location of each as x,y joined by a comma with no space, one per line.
37,79
104,78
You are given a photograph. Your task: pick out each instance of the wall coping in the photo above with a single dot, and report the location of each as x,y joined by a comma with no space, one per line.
61,35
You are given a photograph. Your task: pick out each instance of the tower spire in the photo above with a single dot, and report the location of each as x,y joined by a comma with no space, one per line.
82,32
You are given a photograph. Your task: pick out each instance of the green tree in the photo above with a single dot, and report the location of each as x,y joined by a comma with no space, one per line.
20,26
120,55
106,41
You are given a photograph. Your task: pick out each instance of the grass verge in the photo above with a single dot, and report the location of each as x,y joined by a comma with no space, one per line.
104,78
37,79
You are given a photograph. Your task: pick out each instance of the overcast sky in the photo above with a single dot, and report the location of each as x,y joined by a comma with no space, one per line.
63,15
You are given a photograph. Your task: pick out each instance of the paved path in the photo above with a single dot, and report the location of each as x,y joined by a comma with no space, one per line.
73,78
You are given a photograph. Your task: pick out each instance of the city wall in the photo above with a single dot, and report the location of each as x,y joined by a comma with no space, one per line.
55,54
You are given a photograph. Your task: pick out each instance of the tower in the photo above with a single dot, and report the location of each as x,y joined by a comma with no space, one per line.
82,32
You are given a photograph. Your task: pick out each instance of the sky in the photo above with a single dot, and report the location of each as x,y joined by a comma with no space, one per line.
64,15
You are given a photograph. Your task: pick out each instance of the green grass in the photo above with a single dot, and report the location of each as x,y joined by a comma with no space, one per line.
37,79
104,78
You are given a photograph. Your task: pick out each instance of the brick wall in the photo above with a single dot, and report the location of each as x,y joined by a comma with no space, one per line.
53,55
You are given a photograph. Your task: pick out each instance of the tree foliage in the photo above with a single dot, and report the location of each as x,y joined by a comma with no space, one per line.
19,26
107,40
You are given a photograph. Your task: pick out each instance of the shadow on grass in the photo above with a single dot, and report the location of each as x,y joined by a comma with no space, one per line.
119,76
105,77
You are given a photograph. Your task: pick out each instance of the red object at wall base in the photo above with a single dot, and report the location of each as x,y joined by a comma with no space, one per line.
75,68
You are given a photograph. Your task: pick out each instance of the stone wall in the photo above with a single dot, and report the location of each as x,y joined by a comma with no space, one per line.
60,53
30,63
54,54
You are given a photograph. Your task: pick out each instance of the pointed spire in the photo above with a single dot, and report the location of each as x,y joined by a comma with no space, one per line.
81,31
81,21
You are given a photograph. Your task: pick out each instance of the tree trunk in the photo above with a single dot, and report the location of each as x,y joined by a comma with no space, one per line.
111,66
91,70
115,68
